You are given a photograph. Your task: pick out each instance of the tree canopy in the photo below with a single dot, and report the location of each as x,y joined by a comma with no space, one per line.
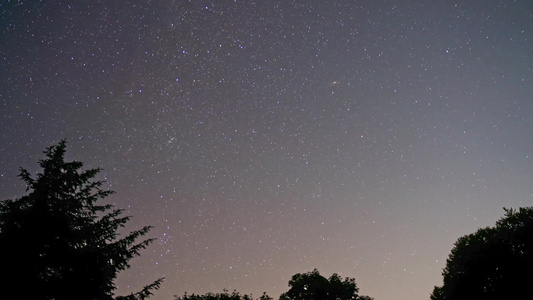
58,243
306,286
225,295
492,263
313,286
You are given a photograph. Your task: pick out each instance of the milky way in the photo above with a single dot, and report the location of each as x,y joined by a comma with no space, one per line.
267,138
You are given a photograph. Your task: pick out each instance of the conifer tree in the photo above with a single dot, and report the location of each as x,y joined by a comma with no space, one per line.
58,243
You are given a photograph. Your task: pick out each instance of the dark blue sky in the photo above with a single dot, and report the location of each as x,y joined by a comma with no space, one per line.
266,138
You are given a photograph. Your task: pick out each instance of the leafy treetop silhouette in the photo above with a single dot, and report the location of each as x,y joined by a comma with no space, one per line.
492,263
307,286
58,243
225,295
313,286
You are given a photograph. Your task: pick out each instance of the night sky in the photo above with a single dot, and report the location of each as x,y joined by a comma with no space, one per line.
267,138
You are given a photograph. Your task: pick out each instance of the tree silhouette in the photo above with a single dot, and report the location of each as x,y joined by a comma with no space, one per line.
57,243
307,286
313,286
492,263
221,296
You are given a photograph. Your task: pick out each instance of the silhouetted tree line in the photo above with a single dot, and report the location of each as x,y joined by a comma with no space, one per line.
306,286
225,295
57,243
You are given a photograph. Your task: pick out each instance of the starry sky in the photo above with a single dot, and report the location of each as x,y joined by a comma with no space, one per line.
267,138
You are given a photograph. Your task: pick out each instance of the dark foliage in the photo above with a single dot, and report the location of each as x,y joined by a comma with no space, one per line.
58,243
307,286
313,286
492,263
221,296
